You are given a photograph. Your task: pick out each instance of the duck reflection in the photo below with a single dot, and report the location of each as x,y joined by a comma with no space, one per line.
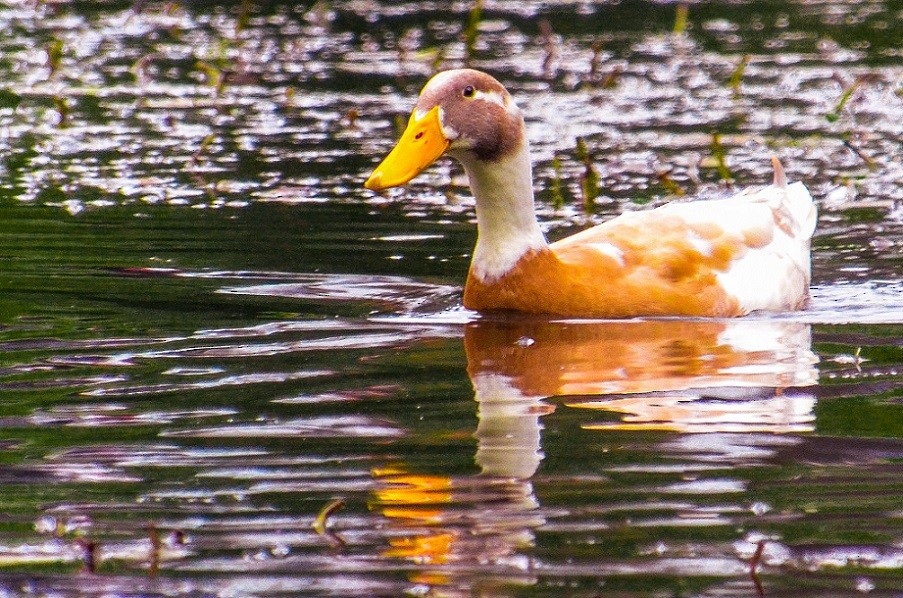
685,376
711,377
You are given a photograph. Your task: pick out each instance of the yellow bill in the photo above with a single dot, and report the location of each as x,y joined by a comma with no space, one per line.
420,145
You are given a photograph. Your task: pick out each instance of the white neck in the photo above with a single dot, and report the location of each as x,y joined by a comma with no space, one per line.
506,221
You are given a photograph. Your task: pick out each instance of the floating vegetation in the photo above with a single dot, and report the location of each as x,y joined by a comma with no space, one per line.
664,177
400,124
322,521
243,16
351,117
199,153
834,115
89,554
54,56
549,46
555,192
472,30
435,56
736,78
680,18
9,99
256,366
216,77
61,105
611,79
589,180
595,61
720,157
869,161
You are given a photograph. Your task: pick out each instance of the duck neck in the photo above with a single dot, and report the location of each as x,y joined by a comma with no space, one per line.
506,219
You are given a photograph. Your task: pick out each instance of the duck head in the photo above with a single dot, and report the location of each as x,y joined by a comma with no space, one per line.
463,113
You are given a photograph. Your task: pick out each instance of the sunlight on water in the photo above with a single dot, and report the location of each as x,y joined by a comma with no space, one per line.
229,370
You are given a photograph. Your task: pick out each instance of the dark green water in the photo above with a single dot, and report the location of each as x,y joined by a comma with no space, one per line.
209,331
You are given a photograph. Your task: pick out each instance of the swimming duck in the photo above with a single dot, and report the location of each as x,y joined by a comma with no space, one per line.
718,258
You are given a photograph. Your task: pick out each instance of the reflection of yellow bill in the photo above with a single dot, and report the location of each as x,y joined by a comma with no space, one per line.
413,499
420,145
427,549
410,496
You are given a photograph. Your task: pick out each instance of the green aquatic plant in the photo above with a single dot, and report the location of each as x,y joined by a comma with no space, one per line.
595,61
400,124
664,177
9,99
549,46
834,115
54,55
680,18
216,77
720,157
321,523
472,29
589,180
736,78
202,148
350,118
594,76
139,67
869,161
243,16
61,105
611,79
434,55
555,186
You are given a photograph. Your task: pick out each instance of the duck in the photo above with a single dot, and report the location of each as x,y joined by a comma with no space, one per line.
721,258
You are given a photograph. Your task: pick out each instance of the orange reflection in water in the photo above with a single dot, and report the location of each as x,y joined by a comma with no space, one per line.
684,376
554,359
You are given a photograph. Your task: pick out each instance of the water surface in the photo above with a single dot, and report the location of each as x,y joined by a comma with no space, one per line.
210,332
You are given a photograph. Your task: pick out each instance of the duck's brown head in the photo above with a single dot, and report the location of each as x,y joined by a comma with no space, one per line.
464,113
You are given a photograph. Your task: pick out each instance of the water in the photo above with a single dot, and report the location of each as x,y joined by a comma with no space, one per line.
210,333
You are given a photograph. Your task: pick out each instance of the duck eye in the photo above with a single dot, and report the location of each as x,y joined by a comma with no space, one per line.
468,91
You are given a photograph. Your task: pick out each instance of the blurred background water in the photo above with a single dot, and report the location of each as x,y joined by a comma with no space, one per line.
228,370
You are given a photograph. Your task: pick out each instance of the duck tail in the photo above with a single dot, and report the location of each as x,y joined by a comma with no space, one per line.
780,179
795,210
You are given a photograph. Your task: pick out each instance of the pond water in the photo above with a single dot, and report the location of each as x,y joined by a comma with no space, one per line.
226,369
